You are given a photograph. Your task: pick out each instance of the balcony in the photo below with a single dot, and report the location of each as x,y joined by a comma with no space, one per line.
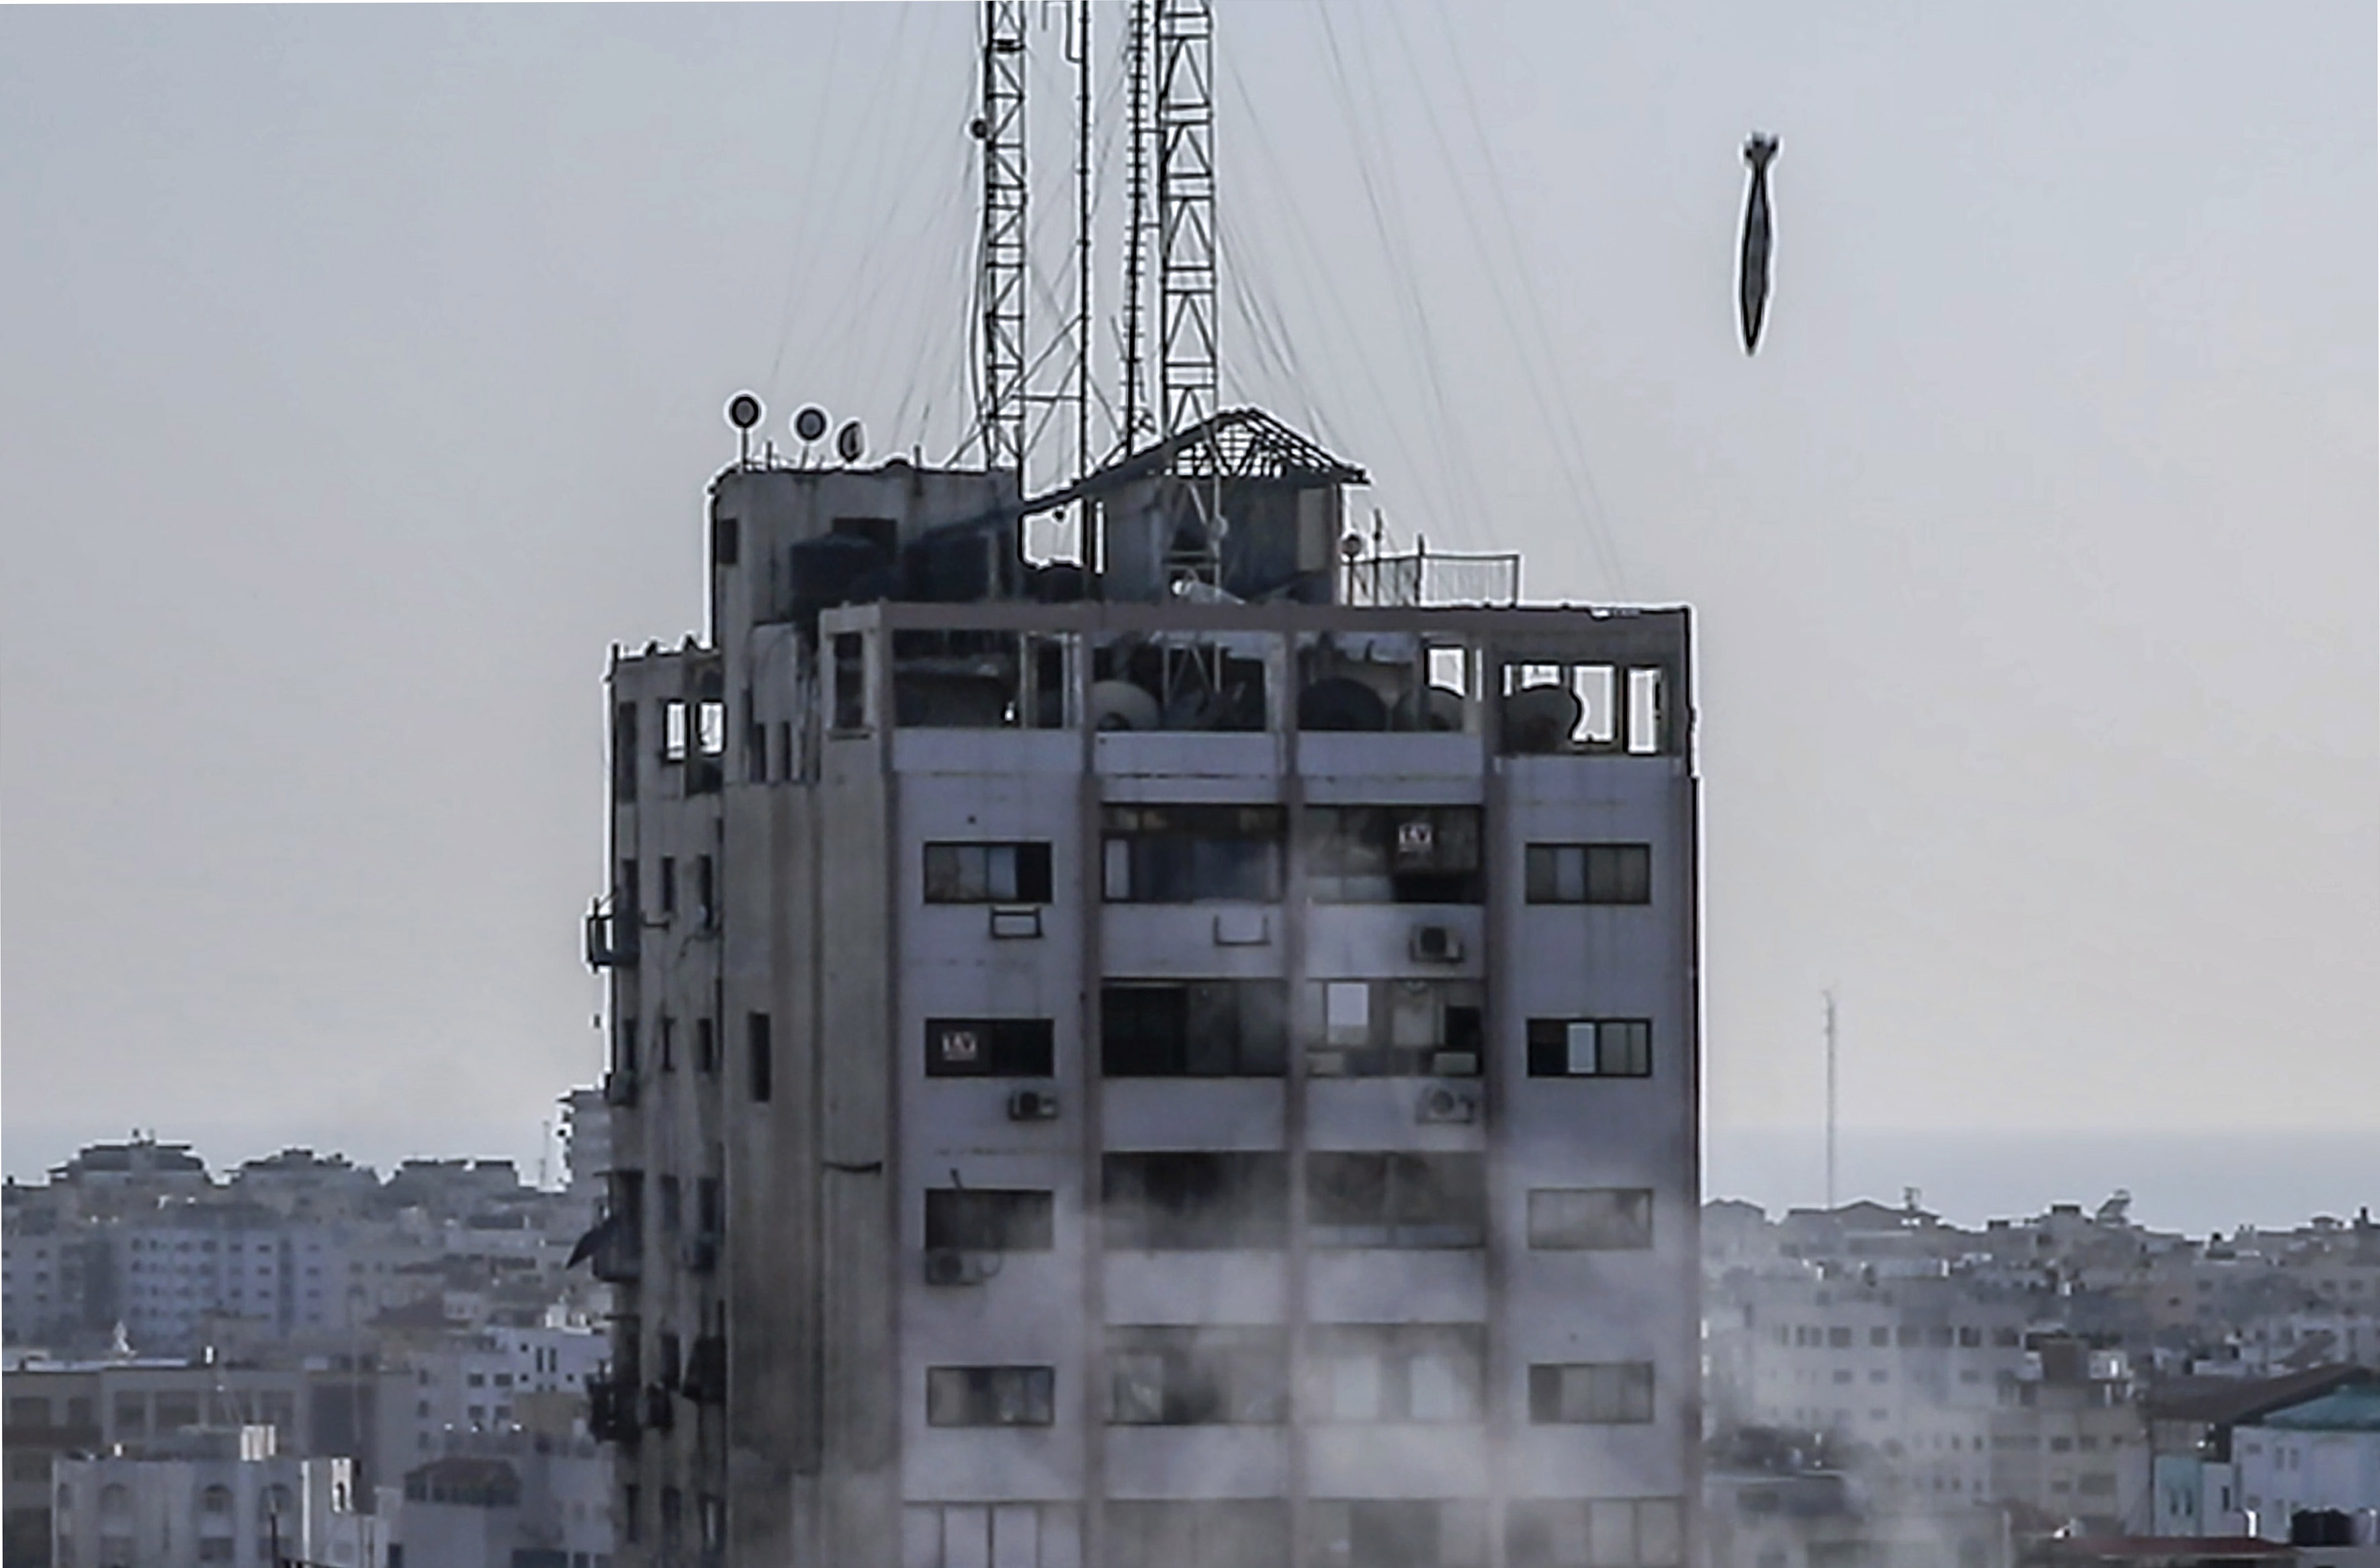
611,1410
611,937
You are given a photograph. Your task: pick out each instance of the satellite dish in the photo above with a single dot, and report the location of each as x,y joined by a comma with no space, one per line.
1540,719
851,441
810,423
1341,702
744,410
1120,705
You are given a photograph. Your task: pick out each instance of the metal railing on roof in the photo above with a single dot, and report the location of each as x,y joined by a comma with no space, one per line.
1427,577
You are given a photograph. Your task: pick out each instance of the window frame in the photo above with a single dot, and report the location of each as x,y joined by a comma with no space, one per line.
1360,854
1583,1235
1169,854
1604,871
1553,1046
1028,877
1592,1394
1254,1012
959,1397
1006,1048
1001,1219
1404,1197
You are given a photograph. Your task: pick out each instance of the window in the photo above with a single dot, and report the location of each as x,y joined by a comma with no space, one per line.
706,1047
709,1207
1838,1339
1408,1373
988,1220
1198,1534
1398,1028
991,1048
1405,1200
1399,1534
1591,1393
988,873
1879,1336
1393,853
1194,1201
713,1511
215,1500
1175,1377
673,730
666,1033
759,1056
665,1191
1604,1533
667,890
1590,873
1194,1028
990,1396
1590,1047
1192,853
1590,1219
632,1520
706,901
623,751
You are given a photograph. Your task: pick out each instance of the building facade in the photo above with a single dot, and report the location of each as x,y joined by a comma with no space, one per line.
1147,1065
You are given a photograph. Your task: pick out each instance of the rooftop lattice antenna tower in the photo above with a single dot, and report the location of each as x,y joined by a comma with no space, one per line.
1001,280
1185,212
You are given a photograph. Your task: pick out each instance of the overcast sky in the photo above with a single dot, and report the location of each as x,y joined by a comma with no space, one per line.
361,371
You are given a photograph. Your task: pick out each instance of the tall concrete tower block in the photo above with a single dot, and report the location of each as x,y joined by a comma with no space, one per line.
1151,1064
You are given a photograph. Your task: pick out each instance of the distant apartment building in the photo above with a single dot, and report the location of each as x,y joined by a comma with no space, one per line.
1151,1065
214,1496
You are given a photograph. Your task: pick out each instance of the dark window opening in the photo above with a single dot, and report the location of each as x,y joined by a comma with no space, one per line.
850,681
988,1219
727,541
759,1053
666,1031
1195,1201
991,1048
1178,1377
709,1207
1192,853
1394,853
990,1396
1194,1028
624,1049
1590,1219
1590,873
1591,1393
667,890
706,907
785,749
1398,1028
1590,1047
988,873
706,1047
623,751
1402,1200
628,893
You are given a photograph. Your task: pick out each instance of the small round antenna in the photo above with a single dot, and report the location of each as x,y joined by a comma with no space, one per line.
851,441
744,411
810,423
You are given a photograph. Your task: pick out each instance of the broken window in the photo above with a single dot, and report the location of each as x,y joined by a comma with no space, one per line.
988,873
988,1220
1186,1376
1590,1047
1590,1219
1194,1028
991,1048
967,679
1192,853
759,1056
1406,1372
1591,1393
1191,1201
1559,708
1173,681
1396,1199
1375,681
1590,873
1393,853
1397,1028
990,1396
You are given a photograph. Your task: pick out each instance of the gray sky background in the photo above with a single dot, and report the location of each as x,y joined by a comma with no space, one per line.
361,371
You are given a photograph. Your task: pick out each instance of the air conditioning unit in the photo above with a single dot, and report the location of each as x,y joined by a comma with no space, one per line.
1032,1105
946,1267
1440,1104
1437,944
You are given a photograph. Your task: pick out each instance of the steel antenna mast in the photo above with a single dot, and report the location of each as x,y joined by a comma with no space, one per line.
1081,239
1187,372
1001,259
1136,235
